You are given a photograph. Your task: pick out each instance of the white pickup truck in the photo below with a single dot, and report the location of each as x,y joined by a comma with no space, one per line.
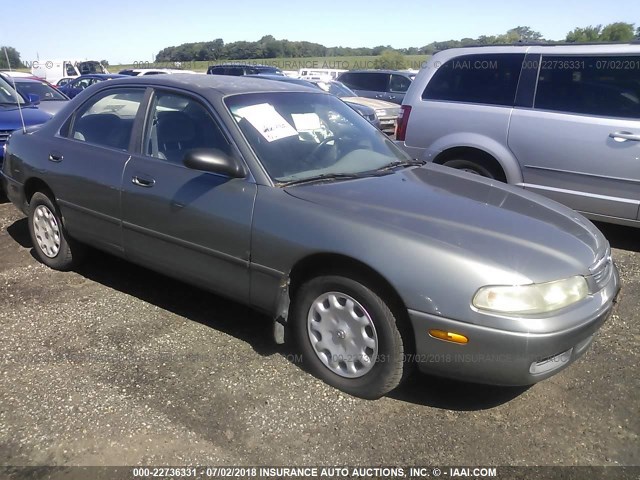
54,70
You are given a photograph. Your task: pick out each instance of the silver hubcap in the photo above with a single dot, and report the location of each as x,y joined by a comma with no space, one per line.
46,230
342,334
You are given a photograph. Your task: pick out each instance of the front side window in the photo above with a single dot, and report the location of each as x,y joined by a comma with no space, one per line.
177,124
590,85
485,79
107,119
300,136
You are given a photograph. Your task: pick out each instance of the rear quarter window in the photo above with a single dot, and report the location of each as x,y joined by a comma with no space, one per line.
485,79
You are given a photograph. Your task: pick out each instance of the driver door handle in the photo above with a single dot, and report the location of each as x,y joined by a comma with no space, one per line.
624,136
143,182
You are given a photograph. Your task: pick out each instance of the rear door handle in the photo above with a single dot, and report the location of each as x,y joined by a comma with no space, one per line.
624,136
143,182
55,157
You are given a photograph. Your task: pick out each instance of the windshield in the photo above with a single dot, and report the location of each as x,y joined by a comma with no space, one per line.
44,91
299,136
8,95
336,88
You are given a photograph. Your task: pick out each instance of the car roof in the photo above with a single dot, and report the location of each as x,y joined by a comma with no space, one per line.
549,48
205,84
101,75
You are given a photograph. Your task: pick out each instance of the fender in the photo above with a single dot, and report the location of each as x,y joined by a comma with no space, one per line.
438,150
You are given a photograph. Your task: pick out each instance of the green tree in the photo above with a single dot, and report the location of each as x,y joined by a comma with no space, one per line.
14,58
390,59
617,32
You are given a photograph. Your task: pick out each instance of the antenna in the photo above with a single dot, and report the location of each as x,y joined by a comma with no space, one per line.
15,90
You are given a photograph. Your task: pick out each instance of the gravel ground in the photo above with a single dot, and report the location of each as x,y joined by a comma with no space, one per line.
116,365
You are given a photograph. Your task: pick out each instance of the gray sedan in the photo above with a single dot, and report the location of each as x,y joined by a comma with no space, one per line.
284,198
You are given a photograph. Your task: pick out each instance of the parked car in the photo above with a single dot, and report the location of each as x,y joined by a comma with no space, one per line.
240,69
50,99
287,200
559,120
14,110
389,85
75,86
134,72
386,112
367,112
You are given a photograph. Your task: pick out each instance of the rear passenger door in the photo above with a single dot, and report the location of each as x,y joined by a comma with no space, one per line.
580,143
194,224
87,160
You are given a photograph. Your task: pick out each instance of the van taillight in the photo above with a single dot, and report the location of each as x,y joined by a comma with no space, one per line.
403,120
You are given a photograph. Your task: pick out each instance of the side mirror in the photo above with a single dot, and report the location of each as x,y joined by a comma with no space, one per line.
214,161
33,99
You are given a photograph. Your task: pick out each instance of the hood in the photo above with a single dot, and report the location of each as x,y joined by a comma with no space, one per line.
498,224
52,106
10,117
372,102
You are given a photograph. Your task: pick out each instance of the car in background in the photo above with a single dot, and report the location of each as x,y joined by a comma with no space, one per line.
50,99
14,109
559,120
386,112
285,199
366,111
388,85
137,72
240,69
15,74
75,86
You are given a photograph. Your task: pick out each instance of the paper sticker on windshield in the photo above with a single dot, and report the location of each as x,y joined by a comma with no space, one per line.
305,122
266,120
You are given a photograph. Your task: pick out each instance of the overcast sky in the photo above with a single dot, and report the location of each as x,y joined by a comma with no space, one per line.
135,30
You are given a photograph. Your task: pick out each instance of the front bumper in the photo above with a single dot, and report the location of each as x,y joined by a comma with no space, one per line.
501,357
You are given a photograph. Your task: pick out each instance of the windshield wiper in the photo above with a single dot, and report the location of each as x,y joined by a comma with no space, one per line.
402,163
323,178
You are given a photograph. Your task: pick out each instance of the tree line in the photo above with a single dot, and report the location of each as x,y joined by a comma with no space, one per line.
269,47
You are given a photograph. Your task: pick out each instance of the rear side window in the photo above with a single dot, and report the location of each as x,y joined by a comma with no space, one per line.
107,119
590,85
486,79
373,81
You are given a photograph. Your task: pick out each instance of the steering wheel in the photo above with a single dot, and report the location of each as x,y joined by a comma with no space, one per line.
318,148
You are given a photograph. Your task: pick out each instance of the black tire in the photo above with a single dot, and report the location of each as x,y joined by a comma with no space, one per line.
477,167
389,365
69,252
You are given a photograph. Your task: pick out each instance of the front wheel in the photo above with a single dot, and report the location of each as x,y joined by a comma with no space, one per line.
50,241
348,336
476,167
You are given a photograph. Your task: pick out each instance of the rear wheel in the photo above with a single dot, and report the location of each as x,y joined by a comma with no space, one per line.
348,336
52,244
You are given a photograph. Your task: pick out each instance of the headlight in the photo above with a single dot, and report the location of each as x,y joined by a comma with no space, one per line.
533,298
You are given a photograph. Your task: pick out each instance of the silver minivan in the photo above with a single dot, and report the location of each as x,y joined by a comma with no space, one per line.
560,120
